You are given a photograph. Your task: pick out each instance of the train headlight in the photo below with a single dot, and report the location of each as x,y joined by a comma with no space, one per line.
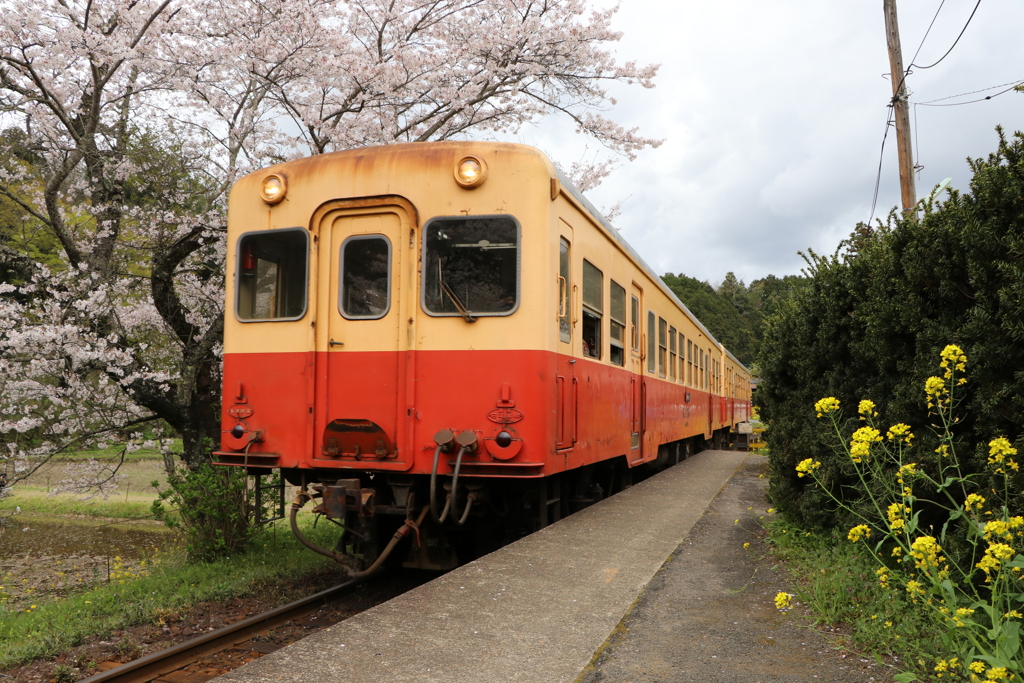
470,172
274,188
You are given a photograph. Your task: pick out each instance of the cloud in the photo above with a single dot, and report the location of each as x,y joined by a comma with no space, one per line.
773,116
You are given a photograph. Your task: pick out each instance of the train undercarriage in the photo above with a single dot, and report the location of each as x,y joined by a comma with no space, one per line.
437,522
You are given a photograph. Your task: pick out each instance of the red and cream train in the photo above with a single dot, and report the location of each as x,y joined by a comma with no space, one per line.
445,340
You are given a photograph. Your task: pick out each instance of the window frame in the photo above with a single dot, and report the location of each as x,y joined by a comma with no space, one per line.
635,323
564,295
672,362
596,313
662,346
613,322
652,343
238,271
341,274
425,230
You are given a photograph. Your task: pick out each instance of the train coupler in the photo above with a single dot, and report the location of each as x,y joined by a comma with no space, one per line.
346,496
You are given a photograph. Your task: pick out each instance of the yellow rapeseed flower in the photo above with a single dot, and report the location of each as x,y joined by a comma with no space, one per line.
807,466
925,552
783,600
859,533
908,470
883,576
974,502
995,555
866,409
997,528
935,390
826,405
976,666
900,432
896,513
999,451
860,443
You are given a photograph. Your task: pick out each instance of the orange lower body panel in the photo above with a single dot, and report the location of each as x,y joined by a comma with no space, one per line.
534,412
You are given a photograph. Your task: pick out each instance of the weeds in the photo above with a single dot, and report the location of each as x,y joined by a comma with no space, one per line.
837,581
167,586
963,571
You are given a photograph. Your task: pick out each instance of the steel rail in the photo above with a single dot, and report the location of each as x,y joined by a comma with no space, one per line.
154,665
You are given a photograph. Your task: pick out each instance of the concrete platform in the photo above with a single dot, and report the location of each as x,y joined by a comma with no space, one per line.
535,611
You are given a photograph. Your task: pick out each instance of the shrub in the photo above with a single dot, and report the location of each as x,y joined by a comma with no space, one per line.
213,510
874,315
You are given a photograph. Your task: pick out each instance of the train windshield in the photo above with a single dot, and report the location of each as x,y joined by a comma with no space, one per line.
272,278
471,266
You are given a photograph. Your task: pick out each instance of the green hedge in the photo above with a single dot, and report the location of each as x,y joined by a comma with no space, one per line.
874,317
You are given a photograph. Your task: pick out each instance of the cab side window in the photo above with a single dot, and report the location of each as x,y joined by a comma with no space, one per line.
272,275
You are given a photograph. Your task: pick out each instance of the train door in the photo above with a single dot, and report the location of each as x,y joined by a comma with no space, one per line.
706,379
636,368
565,377
366,297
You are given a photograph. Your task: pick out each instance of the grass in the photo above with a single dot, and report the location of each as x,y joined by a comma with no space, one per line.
37,502
836,580
165,585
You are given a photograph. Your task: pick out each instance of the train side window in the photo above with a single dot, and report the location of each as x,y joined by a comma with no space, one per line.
682,358
593,309
672,353
471,266
634,324
564,288
617,323
689,362
651,342
365,292
662,346
272,274
700,368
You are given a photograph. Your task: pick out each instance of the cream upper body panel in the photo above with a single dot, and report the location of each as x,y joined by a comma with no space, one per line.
415,181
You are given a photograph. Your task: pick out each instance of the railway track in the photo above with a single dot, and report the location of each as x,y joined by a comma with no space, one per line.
157,664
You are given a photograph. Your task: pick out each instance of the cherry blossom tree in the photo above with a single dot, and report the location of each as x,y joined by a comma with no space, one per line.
133,119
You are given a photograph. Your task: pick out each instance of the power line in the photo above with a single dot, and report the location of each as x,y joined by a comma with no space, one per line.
954,42
881,156
931,103
927,32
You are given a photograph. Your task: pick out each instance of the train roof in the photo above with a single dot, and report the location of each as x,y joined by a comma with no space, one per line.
628,248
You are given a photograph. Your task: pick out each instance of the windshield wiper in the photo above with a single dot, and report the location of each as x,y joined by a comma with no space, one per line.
459,306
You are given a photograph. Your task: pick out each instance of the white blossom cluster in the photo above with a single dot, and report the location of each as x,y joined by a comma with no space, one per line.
133,118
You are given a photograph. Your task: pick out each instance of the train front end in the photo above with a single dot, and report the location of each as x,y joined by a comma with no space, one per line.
386,343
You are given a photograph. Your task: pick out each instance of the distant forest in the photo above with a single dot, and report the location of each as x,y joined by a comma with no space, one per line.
733,312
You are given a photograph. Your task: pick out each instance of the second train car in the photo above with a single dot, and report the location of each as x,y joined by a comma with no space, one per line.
445,341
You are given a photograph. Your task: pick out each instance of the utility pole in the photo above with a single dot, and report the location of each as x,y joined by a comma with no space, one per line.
900,107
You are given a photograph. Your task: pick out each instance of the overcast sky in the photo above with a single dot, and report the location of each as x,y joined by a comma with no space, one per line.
772,115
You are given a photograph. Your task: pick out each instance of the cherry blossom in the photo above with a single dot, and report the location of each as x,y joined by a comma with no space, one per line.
133,118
